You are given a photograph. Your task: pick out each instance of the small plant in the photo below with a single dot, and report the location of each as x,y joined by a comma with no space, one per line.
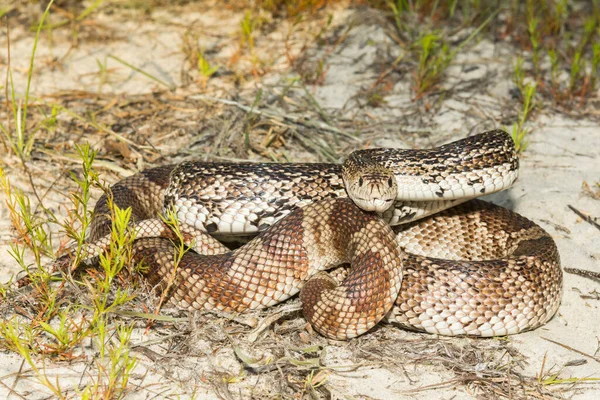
434,59
577,68
56,329
115,364
534,37
552,378
104,300
20,142
432,52
65,335
205,69
519,132
170,218
314,381
559,16
398,7
248,26
102,73
519,75
554,65
21,338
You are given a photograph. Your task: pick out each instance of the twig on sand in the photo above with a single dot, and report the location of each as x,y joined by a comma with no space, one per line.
572,349
583,272
265,323
586,217
451,382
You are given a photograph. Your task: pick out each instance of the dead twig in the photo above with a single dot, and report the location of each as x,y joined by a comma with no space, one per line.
584,273
586,217
268,321
572,349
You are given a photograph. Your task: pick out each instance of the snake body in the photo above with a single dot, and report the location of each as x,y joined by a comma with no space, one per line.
226,199
475,269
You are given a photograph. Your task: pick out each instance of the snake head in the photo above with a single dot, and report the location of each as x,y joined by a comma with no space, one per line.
371,186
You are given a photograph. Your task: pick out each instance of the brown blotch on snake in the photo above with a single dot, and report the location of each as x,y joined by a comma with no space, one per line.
277,263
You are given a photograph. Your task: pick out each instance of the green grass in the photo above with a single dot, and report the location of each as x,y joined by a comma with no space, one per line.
55,330
50,329
430,49
20,140
434,58
571,49
141,71
519,132
205,68
566,35
73,20
552,378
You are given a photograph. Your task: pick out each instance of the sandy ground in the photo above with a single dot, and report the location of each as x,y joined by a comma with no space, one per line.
563,153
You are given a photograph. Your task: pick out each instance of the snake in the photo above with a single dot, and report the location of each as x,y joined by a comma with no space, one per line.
421,252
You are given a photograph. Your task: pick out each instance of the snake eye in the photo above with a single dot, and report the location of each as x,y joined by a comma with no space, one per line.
390,182
360,181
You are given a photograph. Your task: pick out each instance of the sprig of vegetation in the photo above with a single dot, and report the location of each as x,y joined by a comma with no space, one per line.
248,25
552,378
205,69
571,50
141,71
57,329
518,76
537,27
434,59
519,131
74,19
432,52
20,141
20,338
170,218
534,37
291,9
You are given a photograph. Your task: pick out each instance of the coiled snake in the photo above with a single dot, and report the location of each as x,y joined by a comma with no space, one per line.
473,269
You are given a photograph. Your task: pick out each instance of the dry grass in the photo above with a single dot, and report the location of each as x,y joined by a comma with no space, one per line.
285,360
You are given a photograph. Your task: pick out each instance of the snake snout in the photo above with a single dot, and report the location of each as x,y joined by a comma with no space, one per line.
373,189
376,205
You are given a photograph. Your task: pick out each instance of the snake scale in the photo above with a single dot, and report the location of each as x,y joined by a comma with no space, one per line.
424,255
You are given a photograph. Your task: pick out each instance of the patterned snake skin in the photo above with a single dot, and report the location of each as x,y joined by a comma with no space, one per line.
474,269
